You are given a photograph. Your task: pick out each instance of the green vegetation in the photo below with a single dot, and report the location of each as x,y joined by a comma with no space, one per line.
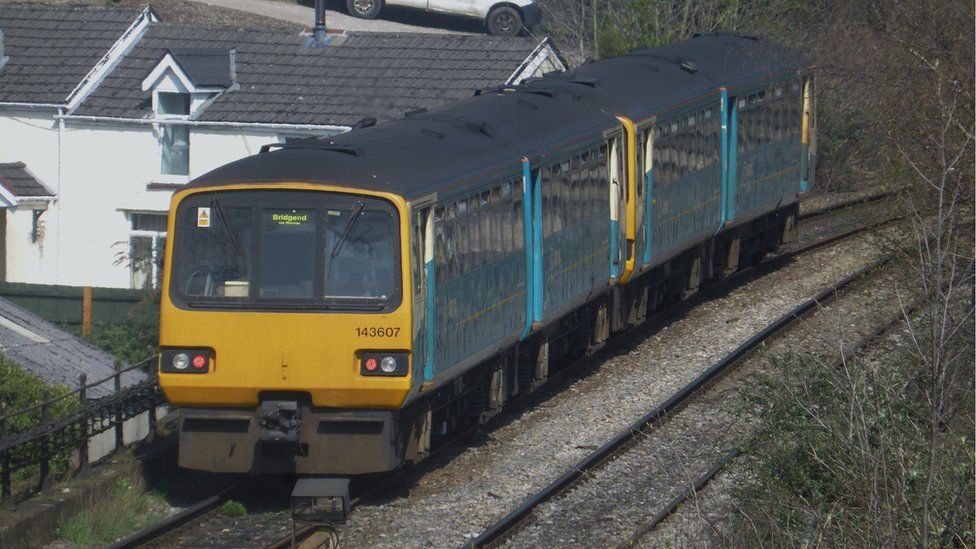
233,508
134,340
848,456
19,390
124,510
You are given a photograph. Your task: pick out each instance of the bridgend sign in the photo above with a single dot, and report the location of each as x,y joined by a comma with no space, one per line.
289,218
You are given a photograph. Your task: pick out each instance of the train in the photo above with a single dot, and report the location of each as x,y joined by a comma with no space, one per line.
335,306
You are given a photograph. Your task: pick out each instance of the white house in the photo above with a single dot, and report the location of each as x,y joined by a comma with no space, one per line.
110,111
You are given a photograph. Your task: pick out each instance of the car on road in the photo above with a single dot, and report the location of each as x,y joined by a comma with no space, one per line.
501,18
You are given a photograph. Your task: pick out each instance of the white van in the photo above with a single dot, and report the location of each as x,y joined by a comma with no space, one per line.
501,17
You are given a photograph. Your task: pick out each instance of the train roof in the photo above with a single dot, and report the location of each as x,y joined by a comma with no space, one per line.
439,150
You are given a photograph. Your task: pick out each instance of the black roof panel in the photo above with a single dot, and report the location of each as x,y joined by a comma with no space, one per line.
434,150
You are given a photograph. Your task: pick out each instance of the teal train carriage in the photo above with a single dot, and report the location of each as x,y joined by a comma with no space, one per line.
544,217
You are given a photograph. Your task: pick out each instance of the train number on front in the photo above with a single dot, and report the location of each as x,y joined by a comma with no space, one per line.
377,332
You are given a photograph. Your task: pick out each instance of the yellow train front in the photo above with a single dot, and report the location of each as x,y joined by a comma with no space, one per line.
285,334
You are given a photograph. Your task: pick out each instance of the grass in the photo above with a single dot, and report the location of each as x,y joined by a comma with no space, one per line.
233,508
126,509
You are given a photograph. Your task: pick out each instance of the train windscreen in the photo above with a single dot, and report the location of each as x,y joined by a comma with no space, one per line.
286,250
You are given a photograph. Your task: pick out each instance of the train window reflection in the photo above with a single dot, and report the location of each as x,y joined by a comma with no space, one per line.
218,251
360,265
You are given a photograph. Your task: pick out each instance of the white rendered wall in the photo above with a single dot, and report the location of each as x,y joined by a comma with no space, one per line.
104,172
31,137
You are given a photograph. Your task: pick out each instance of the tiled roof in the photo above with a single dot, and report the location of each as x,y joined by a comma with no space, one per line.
354,75
52,48
206,67
54,355
18,180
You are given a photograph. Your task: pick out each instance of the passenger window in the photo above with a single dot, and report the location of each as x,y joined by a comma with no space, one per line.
419,223
464,230
474,215
548,175
440,247
519,217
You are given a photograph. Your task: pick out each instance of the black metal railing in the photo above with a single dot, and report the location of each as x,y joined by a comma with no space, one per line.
52,437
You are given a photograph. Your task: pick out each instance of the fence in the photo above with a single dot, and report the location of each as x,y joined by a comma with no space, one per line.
72,305
78,430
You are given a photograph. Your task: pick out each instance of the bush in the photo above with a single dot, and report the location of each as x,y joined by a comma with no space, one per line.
19,390
134,340
846,457
232,508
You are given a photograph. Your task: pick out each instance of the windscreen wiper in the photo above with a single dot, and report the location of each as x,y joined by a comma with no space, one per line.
223,222
348,228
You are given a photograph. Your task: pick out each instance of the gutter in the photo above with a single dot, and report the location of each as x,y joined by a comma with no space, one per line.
24,105
204,123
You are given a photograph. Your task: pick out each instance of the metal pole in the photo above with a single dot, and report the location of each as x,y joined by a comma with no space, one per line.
83,424
318,31
45,445
118,415
4,467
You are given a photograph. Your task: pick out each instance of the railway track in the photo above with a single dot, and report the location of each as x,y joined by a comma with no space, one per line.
719,465
159,533
497,532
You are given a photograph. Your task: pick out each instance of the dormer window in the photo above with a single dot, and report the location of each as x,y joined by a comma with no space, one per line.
182,84
174,139
173,104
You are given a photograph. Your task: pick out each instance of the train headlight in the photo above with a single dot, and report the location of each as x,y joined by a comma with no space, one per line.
181,361
383,364
388,364
186,361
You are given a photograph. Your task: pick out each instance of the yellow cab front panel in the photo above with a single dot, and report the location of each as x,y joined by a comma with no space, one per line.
286,288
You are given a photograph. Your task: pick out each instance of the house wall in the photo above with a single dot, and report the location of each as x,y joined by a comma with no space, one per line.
31,137
104,173
108,169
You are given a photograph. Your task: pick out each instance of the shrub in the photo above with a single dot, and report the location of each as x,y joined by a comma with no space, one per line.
845,457
232,508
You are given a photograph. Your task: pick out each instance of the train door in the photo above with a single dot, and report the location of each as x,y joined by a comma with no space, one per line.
646,180
808,136
618,211
422,252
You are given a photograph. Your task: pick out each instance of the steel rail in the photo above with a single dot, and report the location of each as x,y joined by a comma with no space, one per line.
599,456
853,203
734,453
174,522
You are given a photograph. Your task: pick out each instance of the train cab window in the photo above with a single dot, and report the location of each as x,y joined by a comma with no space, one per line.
358,265
287,244
286,249
214,254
